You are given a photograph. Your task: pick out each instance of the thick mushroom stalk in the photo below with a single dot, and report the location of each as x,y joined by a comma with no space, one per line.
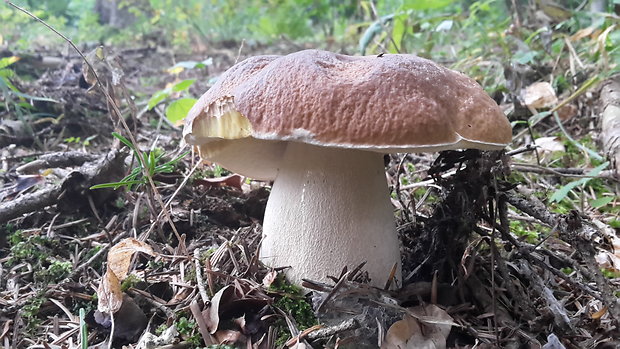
330,208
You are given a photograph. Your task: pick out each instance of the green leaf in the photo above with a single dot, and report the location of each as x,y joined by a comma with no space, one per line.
6,73
183,85
602,201
123,139
372,31
524,57
158,97
398,32
420,5
445,25
193,64
115,185
178,109
83,330
6,61
561,193
536,118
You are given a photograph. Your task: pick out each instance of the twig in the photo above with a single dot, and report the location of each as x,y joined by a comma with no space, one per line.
60,159
563,172
399,171
333,291
347,325
202,326
165,206
199,281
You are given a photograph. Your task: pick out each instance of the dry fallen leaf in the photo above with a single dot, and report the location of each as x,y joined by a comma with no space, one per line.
567,112
119,257
212,314
228,336
233,180
582,33
233,313
610,260
599,314
423,327
109,294
539,95
270,278
548,146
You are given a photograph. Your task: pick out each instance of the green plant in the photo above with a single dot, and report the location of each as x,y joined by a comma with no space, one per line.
529,233
13,100
54,272
187,328
563,191
28,248
151,164
291,300
30,311
79,141
83,329
131,281
179,106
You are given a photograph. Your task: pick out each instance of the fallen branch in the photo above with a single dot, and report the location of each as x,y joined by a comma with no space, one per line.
68,192
60,159
28,203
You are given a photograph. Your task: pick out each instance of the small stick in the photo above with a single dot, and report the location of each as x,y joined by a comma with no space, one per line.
346,325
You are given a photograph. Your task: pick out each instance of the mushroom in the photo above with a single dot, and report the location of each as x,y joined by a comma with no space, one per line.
318,123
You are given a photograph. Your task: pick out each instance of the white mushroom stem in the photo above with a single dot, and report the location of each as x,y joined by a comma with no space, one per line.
330,208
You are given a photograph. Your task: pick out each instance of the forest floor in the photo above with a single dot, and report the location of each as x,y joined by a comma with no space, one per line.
494,254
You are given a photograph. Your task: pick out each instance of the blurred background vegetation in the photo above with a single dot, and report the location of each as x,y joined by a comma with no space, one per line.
457,33
414,25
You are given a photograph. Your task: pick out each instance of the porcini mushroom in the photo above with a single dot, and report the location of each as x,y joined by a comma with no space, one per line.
317,123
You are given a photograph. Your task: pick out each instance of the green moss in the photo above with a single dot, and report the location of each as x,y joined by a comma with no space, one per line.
30,312
160,329
530,232
129,282
213,171
610,273
33,249
290,299
55,272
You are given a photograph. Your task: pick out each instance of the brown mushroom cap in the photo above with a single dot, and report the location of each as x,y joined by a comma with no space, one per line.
389,103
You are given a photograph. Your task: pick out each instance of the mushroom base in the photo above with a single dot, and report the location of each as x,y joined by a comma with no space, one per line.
330,208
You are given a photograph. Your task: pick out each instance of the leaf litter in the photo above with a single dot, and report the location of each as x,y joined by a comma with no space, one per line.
471,278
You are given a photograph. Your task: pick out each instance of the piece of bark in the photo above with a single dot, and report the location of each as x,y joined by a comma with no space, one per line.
610,122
